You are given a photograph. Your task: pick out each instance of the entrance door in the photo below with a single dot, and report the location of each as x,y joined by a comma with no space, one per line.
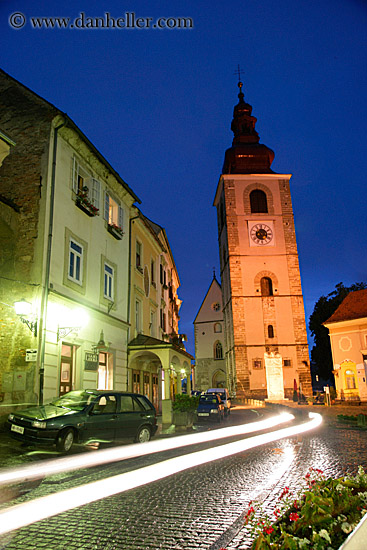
105,371
274,376
136,381
146,384
66,369
155,395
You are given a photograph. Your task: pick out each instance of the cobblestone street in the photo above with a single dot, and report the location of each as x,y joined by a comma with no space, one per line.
201,508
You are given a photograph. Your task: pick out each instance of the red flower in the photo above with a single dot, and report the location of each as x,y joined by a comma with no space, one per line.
293,516
250,511
268,530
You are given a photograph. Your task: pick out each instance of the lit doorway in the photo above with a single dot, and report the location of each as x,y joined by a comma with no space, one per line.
66,368
105,372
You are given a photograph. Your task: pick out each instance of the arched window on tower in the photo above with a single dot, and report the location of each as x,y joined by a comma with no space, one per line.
218,350
258,202
270,331
266,286
217,327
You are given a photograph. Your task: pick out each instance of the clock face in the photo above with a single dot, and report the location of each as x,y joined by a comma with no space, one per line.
261,234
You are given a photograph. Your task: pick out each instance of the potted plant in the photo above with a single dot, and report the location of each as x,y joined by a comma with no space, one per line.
184,411
115,230
83,202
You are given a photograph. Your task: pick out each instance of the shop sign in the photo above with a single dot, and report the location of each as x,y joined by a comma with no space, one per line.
30,355
91,361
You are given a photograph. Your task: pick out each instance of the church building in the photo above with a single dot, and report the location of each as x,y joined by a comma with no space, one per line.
264,320
210,365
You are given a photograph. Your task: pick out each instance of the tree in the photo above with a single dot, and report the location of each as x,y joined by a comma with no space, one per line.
324,308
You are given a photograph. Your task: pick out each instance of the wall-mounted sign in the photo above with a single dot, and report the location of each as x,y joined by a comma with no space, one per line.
91,361
31,355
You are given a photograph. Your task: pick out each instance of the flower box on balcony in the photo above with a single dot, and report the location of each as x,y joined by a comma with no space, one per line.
115,231
87,207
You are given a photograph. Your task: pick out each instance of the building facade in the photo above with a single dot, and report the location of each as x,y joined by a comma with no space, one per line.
210,364
158,362
66,252
348,338
264,319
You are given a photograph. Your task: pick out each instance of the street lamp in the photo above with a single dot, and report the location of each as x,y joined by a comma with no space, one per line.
79,320
24,311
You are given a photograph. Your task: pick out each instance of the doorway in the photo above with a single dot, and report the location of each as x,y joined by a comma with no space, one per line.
66,369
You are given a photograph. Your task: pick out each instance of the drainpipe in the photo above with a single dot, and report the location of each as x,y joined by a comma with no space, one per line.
44,301
129,288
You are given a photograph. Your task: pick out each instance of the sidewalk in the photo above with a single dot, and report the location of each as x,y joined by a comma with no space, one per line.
329,414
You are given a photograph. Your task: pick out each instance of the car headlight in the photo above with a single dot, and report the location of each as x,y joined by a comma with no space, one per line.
38,424
214,410
11,417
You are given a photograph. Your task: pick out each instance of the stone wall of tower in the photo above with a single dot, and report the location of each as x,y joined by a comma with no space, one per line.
295,287
247,313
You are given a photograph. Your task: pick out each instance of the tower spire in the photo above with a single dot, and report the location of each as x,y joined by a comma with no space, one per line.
246,155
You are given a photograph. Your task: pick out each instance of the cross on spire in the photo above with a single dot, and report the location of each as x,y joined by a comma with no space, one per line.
238,73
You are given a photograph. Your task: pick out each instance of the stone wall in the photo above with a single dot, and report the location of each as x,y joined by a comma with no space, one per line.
26,118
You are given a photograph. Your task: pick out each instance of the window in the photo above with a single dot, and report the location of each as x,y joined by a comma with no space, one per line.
138,256
84,184
113,212
257,363
258,202
287,362
163,275
75,272
270,331
217,327
152,325
216,306
266,285
218,350
108,281
152,272
350,380
138,316
163,320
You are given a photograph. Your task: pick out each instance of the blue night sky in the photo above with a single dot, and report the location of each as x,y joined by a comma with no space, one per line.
158,104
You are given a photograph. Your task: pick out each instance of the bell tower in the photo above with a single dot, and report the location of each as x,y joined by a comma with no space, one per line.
264,319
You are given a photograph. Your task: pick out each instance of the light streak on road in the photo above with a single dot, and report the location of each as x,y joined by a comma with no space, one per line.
48,467
51,505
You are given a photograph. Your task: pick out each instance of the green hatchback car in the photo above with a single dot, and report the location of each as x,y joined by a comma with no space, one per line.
86,416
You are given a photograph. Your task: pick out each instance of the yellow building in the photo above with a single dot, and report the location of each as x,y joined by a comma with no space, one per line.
157,360
348,338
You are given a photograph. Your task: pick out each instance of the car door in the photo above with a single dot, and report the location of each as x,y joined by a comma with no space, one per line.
102,419
130,417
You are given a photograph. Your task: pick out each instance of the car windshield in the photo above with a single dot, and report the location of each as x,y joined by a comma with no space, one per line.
208,399
76,400
220,394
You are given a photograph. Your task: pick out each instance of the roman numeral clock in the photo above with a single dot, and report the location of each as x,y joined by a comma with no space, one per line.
261,233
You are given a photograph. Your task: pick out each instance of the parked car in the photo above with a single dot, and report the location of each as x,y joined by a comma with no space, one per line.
224,395
85,416
196,393
210,407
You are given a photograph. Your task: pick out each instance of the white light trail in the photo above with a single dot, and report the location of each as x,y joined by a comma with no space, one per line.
48,467
44,507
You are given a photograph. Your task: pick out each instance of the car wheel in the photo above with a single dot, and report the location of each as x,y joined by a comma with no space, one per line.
65,440
143,435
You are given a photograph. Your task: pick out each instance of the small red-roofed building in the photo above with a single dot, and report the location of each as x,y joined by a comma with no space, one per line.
348,337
